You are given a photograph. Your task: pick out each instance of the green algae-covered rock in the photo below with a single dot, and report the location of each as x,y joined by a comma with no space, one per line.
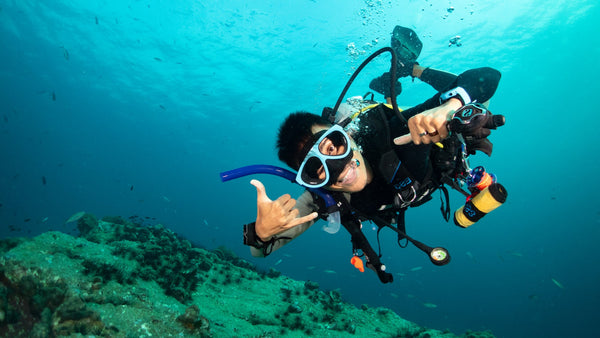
123,280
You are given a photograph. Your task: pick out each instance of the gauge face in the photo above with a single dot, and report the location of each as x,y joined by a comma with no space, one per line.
439,256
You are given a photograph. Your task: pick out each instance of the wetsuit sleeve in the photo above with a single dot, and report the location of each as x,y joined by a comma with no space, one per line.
479,83
438,79
305,205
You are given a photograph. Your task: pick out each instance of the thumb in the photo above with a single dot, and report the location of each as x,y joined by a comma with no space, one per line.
261,193
402,140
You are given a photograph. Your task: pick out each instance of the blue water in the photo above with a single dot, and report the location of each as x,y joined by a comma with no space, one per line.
134,107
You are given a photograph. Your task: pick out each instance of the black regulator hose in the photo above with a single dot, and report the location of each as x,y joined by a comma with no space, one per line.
392,82
438,255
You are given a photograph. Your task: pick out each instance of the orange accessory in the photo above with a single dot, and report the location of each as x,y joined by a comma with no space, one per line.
358,263
485,182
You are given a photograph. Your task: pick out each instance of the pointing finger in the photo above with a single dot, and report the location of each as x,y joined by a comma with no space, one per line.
402,140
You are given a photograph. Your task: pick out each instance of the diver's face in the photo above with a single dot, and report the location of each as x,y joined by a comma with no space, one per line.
354,177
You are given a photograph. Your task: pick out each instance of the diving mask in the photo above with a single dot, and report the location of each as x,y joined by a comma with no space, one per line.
326,159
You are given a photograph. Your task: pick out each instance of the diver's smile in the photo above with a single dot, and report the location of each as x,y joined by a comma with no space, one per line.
350,173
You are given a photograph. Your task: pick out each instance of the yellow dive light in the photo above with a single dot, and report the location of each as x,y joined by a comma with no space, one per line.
485,201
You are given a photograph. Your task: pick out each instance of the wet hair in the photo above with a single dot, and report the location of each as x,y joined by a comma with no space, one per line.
294,133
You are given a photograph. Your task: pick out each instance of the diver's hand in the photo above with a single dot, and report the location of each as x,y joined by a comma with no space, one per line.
276,216
430,126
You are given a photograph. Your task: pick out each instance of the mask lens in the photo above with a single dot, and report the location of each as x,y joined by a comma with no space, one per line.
334,144
313,172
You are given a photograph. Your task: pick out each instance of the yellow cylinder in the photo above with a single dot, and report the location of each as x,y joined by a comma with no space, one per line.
487,200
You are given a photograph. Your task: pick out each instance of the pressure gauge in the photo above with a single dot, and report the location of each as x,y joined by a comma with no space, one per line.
439,256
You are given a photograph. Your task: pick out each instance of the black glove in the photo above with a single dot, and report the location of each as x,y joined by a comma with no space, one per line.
382,85
474,122
405,68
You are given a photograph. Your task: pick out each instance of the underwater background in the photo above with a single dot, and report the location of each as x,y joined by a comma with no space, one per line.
133,108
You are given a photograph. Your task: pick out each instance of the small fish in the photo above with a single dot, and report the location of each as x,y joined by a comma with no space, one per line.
429,305
416,268
162,107
44,180
27,220
65,53
131,188
44,219
516,254
393,295
278,262
205,222
96,19
311,267
158,59
166,198
53,96
5,119
557,283
76,216
329,271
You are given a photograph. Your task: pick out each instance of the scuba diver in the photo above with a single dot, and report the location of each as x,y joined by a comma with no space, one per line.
364,160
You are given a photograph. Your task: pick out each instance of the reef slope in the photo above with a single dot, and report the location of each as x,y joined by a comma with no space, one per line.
120,279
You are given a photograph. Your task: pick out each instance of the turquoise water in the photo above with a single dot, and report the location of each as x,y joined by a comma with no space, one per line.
134,107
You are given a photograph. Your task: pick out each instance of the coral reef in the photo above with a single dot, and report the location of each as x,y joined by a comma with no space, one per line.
121,279
162,256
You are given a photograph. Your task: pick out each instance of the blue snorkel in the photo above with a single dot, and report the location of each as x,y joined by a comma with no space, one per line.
333,219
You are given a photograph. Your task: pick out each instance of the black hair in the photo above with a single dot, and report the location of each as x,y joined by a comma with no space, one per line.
293,134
